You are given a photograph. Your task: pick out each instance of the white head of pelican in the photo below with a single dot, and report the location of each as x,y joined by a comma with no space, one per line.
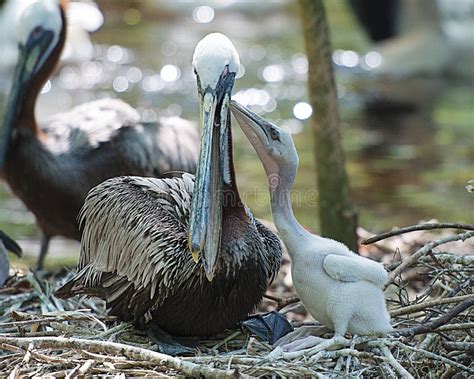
39,29
216,63
39,32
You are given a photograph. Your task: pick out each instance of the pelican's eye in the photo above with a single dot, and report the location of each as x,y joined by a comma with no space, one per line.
36,32
274,134
226,71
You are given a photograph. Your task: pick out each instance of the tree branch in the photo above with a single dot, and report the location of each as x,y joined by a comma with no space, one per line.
425,250
426,304
428,226
431,326
282,303
187,368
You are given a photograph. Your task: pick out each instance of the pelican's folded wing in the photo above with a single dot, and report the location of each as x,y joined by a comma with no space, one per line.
127,240
354,268
148,149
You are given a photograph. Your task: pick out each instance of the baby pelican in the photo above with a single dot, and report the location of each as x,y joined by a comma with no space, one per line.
340,289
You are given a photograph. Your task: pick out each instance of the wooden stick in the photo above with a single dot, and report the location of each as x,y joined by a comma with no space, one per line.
402,372
427,304
465,346
460,326
80,370
282,303
431,355
187,368
431,326
428,226
423,251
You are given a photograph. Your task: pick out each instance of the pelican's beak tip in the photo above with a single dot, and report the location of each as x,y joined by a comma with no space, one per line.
195,249
195,254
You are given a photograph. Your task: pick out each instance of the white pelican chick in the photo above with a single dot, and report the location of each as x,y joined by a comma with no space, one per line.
339,288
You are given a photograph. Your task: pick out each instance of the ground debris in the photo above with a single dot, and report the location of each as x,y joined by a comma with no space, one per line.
430,299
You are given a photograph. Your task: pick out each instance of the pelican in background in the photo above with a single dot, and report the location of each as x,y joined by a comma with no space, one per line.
141,234
340,289
83,18
51,167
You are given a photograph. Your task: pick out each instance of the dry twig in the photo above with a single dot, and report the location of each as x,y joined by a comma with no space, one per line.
188,368
427,304
427,226
423,251
282,303
431,326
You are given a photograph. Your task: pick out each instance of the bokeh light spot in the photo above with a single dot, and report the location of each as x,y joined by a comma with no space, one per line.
299,63
349,58
134,74
373,59
170,73
302,111
115,53
120,84
203,14
152,83
273,73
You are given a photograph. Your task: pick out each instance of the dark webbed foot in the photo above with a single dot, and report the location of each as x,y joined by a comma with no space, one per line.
269,326
168,344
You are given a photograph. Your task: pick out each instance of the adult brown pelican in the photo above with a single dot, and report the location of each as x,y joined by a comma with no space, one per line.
51,167
139,232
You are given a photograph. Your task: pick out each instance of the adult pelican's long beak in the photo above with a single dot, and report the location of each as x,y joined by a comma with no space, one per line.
30,59
206,209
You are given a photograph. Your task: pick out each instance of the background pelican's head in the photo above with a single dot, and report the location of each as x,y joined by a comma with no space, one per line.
215,63
38,32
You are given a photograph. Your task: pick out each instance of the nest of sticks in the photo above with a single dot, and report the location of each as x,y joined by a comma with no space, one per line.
429,293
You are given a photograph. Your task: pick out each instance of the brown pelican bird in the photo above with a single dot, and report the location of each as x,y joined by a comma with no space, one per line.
339,288
52,166
140,233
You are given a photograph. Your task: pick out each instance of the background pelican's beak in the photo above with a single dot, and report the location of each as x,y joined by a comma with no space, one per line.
10,245
31,57
206,210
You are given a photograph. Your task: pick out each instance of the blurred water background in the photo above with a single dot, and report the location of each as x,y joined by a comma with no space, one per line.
406,163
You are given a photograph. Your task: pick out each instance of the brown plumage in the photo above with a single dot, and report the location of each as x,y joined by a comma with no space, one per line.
52,166
135,255
140,233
